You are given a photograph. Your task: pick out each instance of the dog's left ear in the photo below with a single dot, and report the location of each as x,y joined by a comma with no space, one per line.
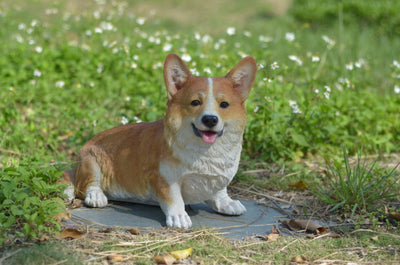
242,76
176,74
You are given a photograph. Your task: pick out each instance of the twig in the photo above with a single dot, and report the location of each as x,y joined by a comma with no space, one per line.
9,255
10,152
264,195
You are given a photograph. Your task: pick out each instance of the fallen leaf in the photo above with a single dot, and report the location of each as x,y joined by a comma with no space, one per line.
134,231
274,235
71,233
299,185
115,258
375,238
164,259
181,254
77,203
300,259
305,225
44,237
395,216
62,216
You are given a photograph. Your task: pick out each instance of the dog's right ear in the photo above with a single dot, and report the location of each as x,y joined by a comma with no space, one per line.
176,74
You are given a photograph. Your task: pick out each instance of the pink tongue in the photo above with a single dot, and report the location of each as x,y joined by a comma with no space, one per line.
208,137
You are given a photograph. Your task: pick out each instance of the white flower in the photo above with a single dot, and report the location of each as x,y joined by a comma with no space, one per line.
197,36
94,123
88,33
316,90
267,99
124,120
329,41
127,98
207,70
289,36
396,64
60,84
137,120
315,59
186,57
296,59
360,63
326,94
133,65
274,66
140,20
37,73
247,33
194,71
350,66
231,31
38,49
98,30
295,107
100,68
328,88
256,109
396,89
167,47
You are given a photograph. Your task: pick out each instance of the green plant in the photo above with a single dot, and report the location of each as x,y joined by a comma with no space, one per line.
358,187
29,200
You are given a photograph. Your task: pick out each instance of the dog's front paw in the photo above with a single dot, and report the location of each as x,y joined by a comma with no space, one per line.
228,206
179,221
95,198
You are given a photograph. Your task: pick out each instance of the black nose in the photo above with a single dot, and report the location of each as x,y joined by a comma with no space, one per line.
209,120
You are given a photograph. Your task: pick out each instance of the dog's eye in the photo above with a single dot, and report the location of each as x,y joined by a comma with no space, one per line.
224,104
195,103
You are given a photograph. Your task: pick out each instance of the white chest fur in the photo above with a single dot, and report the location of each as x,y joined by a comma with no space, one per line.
202,169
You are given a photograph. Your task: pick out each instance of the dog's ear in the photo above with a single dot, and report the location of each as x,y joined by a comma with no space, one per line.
242,76
176,74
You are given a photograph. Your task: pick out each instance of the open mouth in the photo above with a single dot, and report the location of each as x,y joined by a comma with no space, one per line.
207,136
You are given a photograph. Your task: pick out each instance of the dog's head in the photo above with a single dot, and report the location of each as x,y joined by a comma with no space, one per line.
207,107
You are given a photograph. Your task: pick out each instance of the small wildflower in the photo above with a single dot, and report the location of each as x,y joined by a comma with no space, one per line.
37,73
256,108
100,68
124,120
268,80
60,84
167,47
289,36
38,49
88,33
350,66
11,88
194,71
396,64
397,89
127,98
247,33
197,36
328,88
316,90
137,120
141,20
260,66
296,59
315,59
360,63
242,54
91,84
207,70
157,65
295,107
326,94
329,41
274,66
267,99
94,123
186,57
231,31
133,65
98,30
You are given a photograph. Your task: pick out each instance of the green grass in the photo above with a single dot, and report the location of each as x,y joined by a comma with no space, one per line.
70,69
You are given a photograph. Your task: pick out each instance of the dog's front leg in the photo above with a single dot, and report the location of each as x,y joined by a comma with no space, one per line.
222,203
174,210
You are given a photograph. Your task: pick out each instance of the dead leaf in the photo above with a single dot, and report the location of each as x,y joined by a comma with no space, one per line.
115,258
65,136
77,203
273,236
182,254
164,259
134,231
62,216
305,225
375,238
44,238
300,259
70,233
299,185
395,216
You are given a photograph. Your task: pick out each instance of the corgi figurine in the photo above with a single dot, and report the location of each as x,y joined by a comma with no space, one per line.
188,157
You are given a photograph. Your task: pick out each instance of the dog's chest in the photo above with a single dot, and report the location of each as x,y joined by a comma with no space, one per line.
201,172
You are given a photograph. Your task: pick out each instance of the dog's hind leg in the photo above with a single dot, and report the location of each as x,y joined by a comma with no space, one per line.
88,182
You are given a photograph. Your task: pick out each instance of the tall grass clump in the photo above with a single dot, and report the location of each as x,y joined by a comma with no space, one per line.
359,186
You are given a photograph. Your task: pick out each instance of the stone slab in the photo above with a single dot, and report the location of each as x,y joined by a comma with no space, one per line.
256,221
